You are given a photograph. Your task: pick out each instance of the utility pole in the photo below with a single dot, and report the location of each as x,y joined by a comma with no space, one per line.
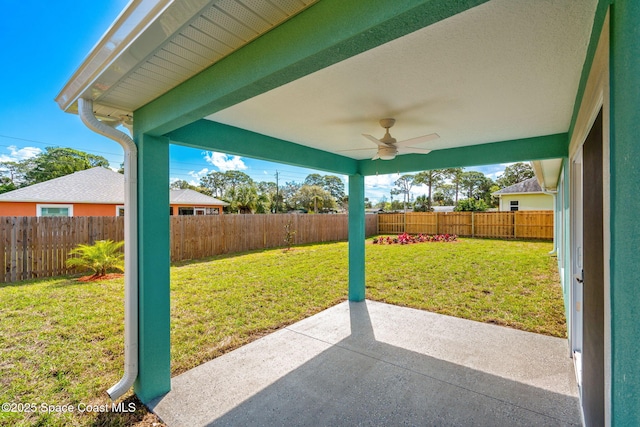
277,192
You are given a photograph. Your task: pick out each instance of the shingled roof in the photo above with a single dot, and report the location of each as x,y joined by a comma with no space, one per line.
96,185
527,186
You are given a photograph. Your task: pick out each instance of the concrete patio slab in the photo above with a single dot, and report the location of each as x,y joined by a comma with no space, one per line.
371,363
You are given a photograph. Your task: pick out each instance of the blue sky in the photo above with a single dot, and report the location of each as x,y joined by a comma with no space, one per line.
43,43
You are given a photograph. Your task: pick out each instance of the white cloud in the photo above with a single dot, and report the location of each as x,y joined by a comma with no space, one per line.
224,162
17,154
197,175
380,181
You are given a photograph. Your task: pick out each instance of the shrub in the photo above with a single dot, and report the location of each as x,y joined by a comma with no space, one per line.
471,205
100,257
289,234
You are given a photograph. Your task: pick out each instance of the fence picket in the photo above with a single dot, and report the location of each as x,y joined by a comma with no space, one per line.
521,224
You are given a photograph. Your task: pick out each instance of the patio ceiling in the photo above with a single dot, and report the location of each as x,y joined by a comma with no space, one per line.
501,70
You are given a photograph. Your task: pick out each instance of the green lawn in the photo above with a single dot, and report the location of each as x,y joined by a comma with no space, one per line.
61,340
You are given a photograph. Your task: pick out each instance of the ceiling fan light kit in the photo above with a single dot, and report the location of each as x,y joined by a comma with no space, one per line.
389,148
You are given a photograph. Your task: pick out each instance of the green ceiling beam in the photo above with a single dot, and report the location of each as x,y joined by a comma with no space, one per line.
209,135
537,148
326,33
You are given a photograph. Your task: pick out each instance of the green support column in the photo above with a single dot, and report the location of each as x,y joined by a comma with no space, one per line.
154,376
625,205
356,238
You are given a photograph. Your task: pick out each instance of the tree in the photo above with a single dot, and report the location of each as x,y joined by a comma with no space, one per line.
403,186
13,174
214,182
288,192
314,197
6,184
181,184
244,198
382,203
223,184
314,179
472,182
455,174
514,174
422,204
470,205
444,195
55,162
431,179
334,185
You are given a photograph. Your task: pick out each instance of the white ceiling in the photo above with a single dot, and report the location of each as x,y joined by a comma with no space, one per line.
507,69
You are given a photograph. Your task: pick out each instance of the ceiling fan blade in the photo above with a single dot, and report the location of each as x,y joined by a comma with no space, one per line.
357,149
375,140
418,140
414,150
376,157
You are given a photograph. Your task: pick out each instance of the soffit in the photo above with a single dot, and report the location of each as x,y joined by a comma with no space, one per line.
155,45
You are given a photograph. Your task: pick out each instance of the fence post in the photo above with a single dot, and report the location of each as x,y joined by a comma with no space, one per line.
515,227
404,220
473,224
14,248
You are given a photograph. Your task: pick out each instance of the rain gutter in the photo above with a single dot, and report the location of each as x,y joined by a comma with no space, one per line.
85,110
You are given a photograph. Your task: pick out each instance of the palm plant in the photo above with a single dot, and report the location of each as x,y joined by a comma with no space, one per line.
100,257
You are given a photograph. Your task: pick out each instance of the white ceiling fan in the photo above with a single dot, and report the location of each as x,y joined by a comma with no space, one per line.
389,147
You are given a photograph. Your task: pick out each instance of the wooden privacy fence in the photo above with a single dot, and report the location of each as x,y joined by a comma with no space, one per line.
194,237
32,247
510,225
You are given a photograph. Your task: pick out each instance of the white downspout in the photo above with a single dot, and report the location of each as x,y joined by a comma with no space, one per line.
85,110
553,194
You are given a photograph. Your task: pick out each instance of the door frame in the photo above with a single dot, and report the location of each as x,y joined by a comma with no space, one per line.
596,96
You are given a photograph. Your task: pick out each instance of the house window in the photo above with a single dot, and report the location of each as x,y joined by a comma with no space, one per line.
213,211
119,210
199,211
513,205
185,211
54,210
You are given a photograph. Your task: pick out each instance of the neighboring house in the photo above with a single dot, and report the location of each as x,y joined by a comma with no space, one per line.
524,196
443,208
94,192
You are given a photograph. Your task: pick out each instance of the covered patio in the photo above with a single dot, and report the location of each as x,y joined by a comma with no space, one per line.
300,82
370,363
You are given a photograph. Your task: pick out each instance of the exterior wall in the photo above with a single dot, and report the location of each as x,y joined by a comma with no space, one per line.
17,209
79,209
624,387
176,207
527,202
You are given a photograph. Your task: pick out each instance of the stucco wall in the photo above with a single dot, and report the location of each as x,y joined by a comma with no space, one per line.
79,209
527,202
17,209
